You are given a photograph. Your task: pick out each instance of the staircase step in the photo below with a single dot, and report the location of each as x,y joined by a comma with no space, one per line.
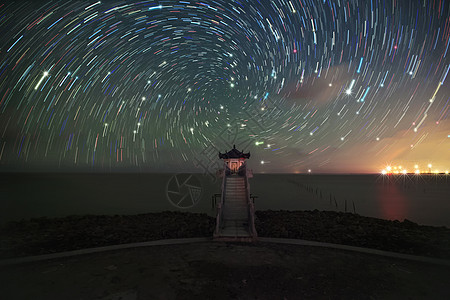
240,212
235,221
238,207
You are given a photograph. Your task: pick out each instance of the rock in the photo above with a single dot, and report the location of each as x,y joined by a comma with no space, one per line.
409,223
111,268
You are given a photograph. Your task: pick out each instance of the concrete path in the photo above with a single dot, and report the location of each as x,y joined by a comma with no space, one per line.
218,270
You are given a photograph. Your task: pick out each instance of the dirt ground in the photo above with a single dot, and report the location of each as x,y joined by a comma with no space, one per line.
219,270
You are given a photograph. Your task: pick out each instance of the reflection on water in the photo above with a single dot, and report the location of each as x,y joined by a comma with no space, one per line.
393,202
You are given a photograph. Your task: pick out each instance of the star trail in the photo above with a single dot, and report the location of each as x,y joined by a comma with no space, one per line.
327,86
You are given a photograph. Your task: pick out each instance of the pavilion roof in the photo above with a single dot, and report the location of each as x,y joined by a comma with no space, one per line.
234,153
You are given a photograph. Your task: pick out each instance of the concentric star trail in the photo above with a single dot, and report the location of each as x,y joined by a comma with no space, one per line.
329,85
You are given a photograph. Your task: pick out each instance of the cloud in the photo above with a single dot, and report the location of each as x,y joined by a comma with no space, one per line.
318,89
402,148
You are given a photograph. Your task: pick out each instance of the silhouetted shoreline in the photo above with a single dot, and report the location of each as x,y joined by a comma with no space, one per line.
49,235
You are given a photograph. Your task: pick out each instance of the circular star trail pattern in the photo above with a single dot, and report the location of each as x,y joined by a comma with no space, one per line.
163,85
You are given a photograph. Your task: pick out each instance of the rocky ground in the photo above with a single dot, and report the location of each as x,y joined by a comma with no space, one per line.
355,230
45,235
51,235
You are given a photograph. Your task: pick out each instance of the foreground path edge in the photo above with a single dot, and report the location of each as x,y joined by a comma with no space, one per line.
27,259
425,259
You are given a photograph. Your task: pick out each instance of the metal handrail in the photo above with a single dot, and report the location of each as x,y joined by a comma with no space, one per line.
251,207
252,220
219,216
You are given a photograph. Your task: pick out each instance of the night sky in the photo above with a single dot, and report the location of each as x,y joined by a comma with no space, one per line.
327,85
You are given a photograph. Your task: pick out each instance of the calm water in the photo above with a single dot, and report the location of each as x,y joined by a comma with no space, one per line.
422,199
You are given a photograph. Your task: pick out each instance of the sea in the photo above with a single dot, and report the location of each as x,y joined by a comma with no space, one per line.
424,199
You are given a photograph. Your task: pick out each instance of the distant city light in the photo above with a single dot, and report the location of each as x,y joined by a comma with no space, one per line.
401,169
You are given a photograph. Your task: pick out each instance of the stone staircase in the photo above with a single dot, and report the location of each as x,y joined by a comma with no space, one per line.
235,218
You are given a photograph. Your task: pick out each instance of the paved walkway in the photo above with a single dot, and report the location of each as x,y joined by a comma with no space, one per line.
217,270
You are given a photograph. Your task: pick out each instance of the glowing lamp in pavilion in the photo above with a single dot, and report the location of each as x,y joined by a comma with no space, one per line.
234,159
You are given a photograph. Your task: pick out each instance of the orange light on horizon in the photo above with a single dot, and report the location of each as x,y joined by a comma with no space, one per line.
402,169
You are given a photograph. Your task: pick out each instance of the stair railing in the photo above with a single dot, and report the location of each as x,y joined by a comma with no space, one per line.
219,216
251,206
